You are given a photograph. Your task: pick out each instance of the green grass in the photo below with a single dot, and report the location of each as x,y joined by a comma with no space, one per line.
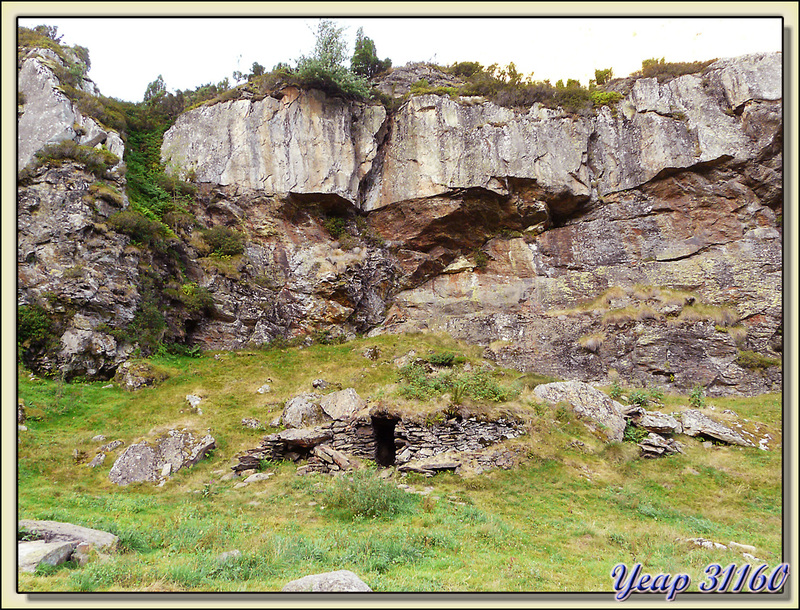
558,522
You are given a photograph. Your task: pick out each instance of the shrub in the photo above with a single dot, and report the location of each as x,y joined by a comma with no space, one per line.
616,391
107,193
325,69
632,434
465,68
656,394
365,495
335,226
755,361
605,98
601,77
197,299
34,326
423,87
417,384
148,326
139,228
639,397
666,71
96,161
442,359
696,397
223,240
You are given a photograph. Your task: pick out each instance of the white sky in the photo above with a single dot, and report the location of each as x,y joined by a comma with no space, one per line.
128,53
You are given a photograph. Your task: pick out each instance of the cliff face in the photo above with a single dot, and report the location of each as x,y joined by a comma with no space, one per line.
642,239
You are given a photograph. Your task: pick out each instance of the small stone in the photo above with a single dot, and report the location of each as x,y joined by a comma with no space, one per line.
98,439
259,476
229,555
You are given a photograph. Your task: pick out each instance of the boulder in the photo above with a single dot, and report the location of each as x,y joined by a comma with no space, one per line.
302,411
132,376
148,461
137,463
341,581
656,445
655,421
303,437
32,553
696,423
342,405
602,413
53,531
332,456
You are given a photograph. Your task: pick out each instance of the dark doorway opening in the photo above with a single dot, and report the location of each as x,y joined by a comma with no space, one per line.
383,428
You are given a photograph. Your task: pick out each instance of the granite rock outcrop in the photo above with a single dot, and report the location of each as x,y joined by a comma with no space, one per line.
641,238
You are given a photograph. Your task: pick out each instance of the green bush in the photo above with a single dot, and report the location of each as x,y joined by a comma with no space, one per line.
197,299
417,384
601,77
34,326
223,240
148,326
639,397
139,228
442,359
666,71
632,434
696,397
755,361
325,69
423,87
96,161
335,226
465,69
605,98
364,495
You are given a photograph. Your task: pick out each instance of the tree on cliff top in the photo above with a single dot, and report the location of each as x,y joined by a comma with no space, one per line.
365,59
325,68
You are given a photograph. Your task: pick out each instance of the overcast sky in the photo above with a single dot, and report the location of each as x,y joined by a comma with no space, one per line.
128,53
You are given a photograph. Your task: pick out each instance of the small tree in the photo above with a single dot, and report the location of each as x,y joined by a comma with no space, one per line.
601,77
155,89
365,60
257,69
325,68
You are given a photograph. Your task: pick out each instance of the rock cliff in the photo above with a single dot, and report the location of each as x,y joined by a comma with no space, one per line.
644,238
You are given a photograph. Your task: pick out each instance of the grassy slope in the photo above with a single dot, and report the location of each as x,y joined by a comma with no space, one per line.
559,522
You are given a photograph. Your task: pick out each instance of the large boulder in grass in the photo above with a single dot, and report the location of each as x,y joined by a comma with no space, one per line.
52,543
303,411
654,421
696,423
342,405
341,581
55,531
599,411
156,460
